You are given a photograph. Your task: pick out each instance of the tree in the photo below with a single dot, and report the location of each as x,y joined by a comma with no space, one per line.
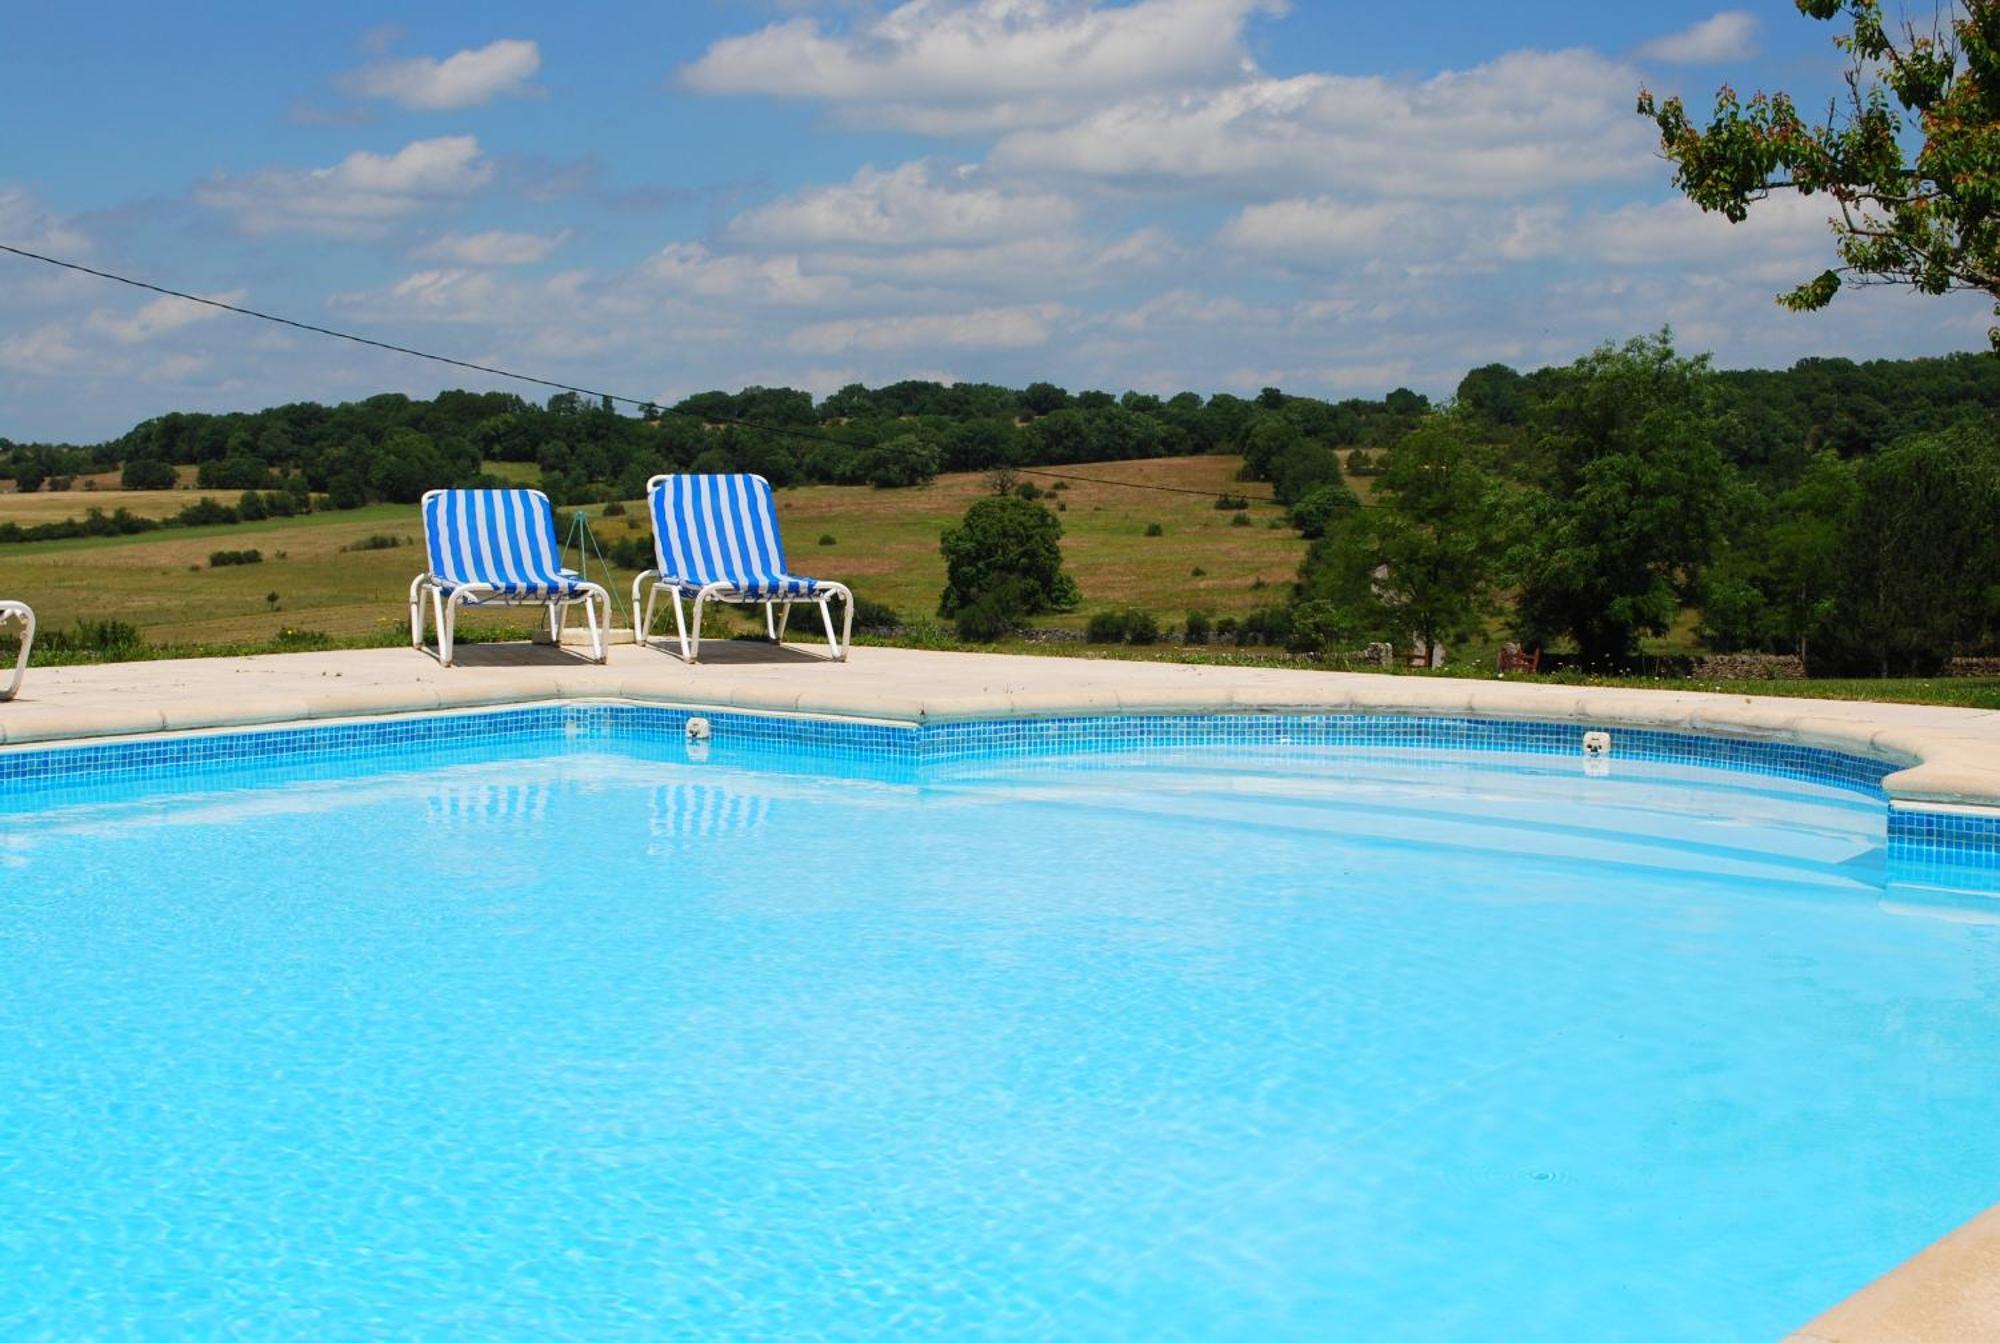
908,459
1009,546
1629,512
147,473
1920,214
1920,566
1494,393
1421,562
1775,584
1322,506
1042,398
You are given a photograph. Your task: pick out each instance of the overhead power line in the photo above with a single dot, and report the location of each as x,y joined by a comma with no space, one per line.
789,431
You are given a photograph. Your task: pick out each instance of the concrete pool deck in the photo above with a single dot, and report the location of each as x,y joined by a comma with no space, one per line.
1950,759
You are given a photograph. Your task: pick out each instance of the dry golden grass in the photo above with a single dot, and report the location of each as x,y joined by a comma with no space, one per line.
46,505
886,548
886,541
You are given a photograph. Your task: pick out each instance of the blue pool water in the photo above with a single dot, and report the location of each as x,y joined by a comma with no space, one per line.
504,1040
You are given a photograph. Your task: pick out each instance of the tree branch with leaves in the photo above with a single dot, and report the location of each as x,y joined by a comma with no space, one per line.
1909,157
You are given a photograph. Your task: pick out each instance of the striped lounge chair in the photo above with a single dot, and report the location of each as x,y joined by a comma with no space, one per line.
715,539
23,613
498,548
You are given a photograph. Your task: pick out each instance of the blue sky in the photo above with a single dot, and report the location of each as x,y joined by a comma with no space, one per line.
656,199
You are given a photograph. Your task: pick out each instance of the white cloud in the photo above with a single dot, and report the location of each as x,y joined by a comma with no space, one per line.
955,66
1009,328
24,222
1524,123
45,349
445,294
1323,225
1784,236
691,268
1728,36
1062,260
357,197
160,316
495,247
1180,310
467,79
914,203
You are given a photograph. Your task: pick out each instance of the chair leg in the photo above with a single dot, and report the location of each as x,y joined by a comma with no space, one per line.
417,613
680,627
596,632
700,601
771,621
447,629
438,606
21,660
784,618
826,619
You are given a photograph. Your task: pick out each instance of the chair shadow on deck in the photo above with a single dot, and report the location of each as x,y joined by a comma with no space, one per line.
714,652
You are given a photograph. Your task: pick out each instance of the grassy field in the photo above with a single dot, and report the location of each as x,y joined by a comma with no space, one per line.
46,505
885,545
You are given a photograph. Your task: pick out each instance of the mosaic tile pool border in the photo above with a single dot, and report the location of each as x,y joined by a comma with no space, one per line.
1953,840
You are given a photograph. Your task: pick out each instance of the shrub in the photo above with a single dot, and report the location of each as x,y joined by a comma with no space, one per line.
1028,489
375,542
1155,529
1122,627
105,636
1271,625
614,509
1240,520
1315,626
1197,572
1231,502
147,473
874,615
223,559
205,512
826,539
1199,627
1006,542
251,508
996,612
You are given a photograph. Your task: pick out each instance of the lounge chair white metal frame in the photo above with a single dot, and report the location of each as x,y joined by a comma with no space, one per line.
525,567
24,615
727,548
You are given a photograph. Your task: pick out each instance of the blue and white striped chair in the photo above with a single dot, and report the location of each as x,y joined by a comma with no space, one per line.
715,539
498,548
22,612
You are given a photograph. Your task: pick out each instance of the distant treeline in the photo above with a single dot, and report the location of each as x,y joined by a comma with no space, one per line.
393,448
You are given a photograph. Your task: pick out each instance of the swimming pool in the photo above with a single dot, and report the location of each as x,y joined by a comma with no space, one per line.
550,1023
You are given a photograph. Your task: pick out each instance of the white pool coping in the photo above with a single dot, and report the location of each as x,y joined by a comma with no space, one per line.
1950,760
1950,756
